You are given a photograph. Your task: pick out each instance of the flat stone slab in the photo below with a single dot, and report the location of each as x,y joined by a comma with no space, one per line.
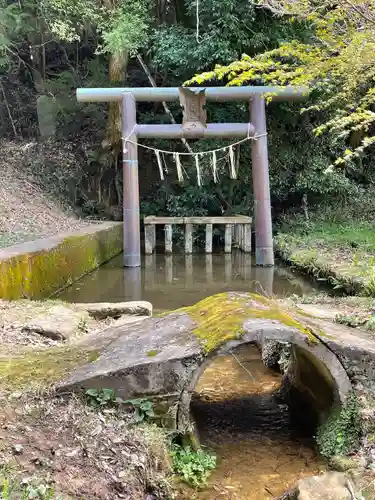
58,323
65,321
102,310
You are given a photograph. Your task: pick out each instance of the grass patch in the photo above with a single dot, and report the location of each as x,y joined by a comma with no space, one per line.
41,369
340,251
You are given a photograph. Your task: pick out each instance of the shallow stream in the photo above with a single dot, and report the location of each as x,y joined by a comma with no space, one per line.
261,453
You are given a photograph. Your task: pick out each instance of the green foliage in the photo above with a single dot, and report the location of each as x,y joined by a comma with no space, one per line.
122,27
336,61
351,320
194,467
102,397
339,435
144,409
10,491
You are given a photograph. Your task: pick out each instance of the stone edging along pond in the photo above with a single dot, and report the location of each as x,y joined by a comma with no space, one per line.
37,269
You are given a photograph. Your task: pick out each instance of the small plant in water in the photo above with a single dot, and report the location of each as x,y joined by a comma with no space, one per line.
144,409
102,397
194,467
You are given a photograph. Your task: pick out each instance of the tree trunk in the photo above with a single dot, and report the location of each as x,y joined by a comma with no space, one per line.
118,64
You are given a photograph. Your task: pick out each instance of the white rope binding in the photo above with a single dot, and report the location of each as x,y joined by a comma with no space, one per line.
177,155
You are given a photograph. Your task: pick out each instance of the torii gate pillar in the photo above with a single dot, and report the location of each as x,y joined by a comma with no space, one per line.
132,236
264,255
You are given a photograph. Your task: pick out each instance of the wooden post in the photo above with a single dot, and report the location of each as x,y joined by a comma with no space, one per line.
168,238
189,238
209,238
132,233
261,184
150,238
228,238
247,238
154,238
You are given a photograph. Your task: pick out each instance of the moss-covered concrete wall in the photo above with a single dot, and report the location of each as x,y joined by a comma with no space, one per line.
39,268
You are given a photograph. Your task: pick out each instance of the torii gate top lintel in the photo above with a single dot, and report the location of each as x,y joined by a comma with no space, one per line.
194,126
218,94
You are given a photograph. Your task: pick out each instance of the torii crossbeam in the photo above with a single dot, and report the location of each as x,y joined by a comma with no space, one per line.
195,127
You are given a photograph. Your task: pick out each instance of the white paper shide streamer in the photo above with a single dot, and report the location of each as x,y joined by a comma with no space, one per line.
180,175
214,167
160,164
163,167
232,168
199,181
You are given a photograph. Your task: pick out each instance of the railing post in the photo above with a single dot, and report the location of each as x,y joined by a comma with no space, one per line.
150,238
261,185
228,238
209,238
188,238
168,238
247,238
132,236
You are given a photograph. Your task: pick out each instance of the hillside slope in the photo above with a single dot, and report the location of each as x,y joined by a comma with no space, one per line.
30,206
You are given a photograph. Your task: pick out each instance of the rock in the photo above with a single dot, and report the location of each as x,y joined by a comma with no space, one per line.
17,449
59,323
116,309
328,486
343,464
271,353
289,495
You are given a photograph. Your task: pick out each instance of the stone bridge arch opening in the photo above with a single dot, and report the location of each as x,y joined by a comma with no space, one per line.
312,379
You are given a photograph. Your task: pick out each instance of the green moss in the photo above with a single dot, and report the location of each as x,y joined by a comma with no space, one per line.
340,433
40,273
220,317
42,369
152,354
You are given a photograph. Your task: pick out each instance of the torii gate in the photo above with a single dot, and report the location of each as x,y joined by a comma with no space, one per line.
194,126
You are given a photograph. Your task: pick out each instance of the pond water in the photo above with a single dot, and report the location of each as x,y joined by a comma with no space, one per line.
173,281
260,452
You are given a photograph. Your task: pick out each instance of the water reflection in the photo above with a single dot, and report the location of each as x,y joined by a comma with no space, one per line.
172,281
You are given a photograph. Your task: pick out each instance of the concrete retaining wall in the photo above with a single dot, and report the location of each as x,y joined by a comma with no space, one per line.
36,269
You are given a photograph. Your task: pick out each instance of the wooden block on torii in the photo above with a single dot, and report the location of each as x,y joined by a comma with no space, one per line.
194,115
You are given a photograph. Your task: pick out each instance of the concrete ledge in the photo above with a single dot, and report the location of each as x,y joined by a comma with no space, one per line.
37,269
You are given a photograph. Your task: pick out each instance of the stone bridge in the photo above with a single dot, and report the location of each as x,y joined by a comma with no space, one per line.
163,357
